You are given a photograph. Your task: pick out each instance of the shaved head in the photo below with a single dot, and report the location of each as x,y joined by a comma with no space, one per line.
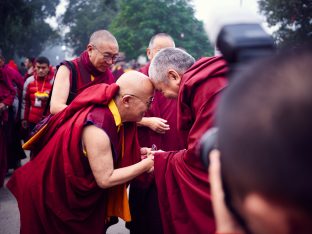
158,42
135,96
102,35
135,82
161,38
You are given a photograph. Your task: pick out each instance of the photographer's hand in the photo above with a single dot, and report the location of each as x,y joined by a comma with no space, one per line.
225,223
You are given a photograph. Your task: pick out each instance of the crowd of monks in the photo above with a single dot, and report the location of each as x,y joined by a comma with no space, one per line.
104,134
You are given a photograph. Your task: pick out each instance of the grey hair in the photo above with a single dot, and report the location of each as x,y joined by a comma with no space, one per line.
169,58
102,35
151,43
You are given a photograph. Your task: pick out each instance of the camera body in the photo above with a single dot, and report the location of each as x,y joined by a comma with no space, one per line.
240,38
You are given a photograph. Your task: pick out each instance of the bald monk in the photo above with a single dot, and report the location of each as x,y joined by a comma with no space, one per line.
158,127
87,154
183,190
92,67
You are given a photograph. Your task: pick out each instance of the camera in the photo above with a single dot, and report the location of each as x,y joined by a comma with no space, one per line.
240,38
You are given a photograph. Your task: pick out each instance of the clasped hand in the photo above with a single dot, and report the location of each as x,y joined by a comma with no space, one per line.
148,153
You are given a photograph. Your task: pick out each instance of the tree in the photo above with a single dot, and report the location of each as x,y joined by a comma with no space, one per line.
83,17
138,21
23,29
293,17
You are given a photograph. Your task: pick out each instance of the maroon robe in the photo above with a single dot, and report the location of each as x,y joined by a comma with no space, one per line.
164,108
85,69
15,151
56,190
183,189
143,193
7,94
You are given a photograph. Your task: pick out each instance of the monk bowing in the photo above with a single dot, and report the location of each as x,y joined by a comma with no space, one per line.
159,128
183,190
87,154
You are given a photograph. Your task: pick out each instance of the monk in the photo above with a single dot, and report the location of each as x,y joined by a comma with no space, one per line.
10,118
87,154
91,67
158,127
7,95
183,190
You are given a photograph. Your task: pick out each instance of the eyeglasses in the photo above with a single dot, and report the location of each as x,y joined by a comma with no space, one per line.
107,56
148,103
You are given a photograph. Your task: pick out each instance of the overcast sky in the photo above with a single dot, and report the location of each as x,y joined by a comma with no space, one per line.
203,7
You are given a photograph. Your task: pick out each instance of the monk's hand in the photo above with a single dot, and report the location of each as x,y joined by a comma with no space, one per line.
224,220
148,155
158,125
145,152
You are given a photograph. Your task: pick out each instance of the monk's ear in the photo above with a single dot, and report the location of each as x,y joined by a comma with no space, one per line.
89,49
126,100
149,53
174,76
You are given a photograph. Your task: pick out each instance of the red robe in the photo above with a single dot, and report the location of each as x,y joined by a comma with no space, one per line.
164,108
143,193
183,189
7,94
56,191
84,70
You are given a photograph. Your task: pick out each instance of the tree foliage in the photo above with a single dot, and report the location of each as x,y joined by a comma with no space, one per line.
293,17
137,21
84,17
23,29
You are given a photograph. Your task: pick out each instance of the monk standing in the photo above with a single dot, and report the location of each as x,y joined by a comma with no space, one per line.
158,127
183,190
87,153
7,94
91,67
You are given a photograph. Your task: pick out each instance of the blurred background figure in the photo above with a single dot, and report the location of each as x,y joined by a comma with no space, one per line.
11,151
29,65
13,65
119,67
36,92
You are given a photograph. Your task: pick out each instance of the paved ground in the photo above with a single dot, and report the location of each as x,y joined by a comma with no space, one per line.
9,215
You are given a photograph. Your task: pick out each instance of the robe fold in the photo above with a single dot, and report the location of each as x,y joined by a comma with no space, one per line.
183,189
56,191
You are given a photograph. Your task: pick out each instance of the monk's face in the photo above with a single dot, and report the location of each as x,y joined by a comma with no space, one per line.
170,86
140,104
159,43
103,55
135,96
